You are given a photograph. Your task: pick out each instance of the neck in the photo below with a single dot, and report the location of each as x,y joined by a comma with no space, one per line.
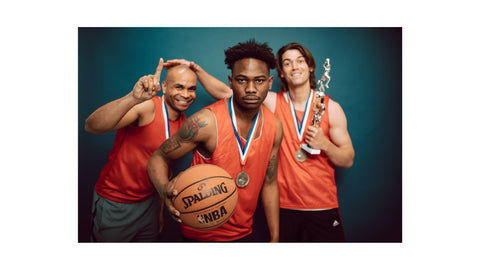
245,115
173,114
299,95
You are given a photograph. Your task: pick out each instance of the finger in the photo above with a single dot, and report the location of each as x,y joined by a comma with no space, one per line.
175,62
174,213
150,84
159,70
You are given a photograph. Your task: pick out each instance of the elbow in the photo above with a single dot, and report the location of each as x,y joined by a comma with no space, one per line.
348,162
89,127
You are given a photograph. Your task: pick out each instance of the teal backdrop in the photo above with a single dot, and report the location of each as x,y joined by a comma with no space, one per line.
366,79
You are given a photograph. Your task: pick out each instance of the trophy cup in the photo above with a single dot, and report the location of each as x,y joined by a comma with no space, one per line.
318,105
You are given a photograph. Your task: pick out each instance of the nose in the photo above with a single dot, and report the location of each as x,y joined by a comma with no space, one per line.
294,64
251,88
184,93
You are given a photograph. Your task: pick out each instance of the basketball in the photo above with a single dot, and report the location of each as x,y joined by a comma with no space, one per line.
207,196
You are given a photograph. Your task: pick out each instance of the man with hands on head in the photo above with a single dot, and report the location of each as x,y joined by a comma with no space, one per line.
238,134
125,207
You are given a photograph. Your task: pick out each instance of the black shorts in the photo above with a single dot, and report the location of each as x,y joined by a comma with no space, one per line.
311,226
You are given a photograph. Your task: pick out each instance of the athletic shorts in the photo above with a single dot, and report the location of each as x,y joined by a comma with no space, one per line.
311,226
124,222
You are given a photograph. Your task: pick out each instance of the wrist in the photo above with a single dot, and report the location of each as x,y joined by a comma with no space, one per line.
132,100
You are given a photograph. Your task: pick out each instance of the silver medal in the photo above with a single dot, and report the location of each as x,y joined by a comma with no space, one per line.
242,179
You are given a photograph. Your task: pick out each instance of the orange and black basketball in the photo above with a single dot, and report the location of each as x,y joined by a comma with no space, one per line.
207,196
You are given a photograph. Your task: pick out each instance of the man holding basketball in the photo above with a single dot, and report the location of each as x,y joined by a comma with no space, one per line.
125,208
308,193
238,134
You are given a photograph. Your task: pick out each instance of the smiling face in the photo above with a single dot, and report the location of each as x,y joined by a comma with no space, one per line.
250,82
179,88
295,69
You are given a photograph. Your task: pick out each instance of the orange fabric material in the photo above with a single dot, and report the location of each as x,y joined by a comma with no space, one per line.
304,185
227,156
125,178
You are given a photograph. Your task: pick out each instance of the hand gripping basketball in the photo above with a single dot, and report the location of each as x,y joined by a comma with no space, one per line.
207,196
168,192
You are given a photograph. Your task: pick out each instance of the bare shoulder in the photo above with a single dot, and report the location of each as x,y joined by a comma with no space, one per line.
270,101
145,112
335,111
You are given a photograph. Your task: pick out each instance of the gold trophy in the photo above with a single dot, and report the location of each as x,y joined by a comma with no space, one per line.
318,105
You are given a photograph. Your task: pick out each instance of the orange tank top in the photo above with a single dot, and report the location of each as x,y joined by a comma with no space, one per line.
308,185
125,178
227,156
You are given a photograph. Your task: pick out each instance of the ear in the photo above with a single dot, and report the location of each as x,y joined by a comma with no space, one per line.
230,79
164,87
270,82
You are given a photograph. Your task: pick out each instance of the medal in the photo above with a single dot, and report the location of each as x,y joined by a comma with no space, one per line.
300,155
242,178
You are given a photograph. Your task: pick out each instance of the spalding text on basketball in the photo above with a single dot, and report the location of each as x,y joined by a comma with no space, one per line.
193,199
212,216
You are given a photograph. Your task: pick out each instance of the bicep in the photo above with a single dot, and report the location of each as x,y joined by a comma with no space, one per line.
196,130
144,111
338,126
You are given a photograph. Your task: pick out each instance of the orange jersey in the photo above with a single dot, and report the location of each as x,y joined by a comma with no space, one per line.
227,156
125,178
304,185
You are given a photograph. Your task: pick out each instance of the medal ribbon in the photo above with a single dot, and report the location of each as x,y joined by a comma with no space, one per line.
243,152
165,118
301,126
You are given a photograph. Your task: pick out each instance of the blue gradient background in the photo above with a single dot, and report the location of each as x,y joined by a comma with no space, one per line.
366,81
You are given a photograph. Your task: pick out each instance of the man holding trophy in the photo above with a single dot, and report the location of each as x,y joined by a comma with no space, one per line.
315,141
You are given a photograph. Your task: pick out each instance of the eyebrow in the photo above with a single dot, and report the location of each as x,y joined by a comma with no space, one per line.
256,77
288,59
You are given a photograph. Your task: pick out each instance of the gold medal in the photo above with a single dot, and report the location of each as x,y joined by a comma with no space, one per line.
242,179
300,155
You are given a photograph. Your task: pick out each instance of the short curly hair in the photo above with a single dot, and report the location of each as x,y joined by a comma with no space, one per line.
250,49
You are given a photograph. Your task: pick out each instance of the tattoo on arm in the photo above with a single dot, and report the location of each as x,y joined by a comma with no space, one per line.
170,145
190,129
272,167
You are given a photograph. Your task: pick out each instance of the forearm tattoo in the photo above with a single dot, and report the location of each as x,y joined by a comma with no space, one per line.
272,167
170,145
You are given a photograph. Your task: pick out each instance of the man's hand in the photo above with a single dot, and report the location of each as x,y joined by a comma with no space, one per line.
315,138
148,86
167,192
174,62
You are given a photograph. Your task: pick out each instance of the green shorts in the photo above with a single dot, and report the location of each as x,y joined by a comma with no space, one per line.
124,222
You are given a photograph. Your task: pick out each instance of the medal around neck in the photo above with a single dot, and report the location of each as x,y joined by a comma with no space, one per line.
300,155
242,179
319,107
